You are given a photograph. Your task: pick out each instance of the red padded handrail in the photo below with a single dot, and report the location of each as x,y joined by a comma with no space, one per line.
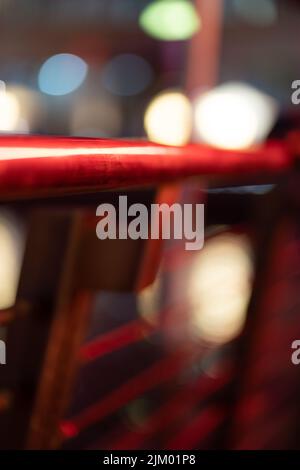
31,166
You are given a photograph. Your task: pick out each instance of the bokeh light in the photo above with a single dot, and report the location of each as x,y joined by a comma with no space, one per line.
127,75
11,248
9,110
149,299
32,109
168,118
256,12
234,116
220,287
61,74
170,20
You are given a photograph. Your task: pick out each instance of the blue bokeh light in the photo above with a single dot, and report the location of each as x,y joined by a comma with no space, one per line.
61,74
127,75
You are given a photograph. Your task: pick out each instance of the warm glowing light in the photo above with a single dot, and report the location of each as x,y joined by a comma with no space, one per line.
220,287
9,110
61,74
149,301
170,20
10,256
127,75
32,107
168,119
234,116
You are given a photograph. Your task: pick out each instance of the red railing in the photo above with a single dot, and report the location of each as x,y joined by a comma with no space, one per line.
37,165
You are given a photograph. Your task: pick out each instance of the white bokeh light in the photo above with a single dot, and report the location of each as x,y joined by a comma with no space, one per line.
168,118
220,287
9,110
11,250
234,116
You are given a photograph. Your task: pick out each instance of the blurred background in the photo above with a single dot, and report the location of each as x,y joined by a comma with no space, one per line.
199,357
107,68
